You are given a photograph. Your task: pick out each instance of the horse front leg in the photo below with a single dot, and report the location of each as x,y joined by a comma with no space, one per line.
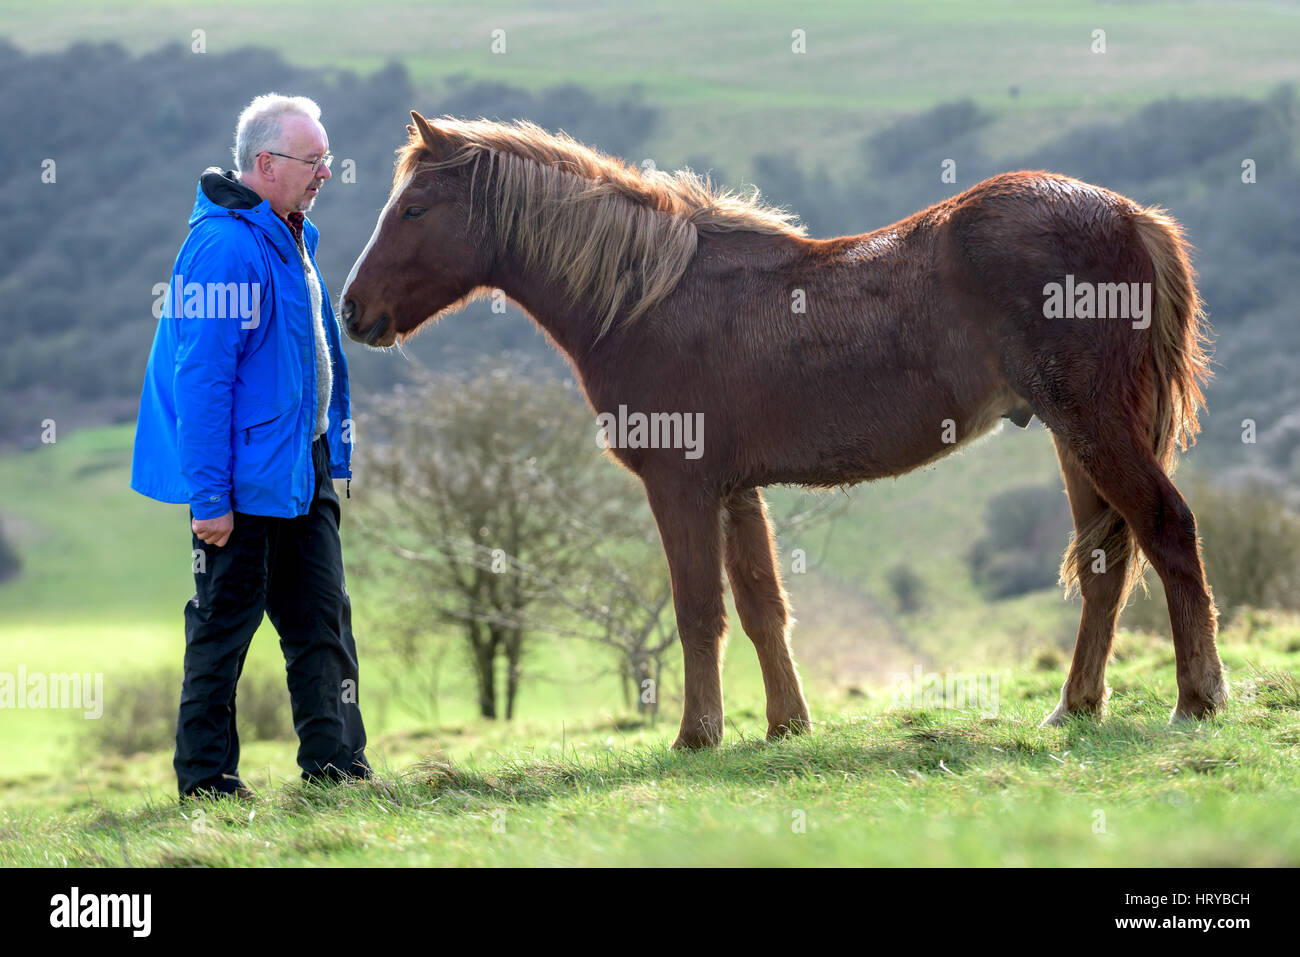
690,527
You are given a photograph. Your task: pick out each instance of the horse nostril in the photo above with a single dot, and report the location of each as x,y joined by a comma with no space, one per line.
349,309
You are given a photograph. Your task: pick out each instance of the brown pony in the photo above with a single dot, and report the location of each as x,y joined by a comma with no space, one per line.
825,362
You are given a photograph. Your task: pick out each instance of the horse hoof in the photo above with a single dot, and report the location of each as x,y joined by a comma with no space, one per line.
699,737
1058,717
1055,719
788,728
1192,708
1092,705
1188,716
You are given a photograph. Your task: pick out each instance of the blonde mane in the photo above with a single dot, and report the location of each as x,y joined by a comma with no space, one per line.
613,234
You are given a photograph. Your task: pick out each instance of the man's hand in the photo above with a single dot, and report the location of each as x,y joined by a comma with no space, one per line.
214,531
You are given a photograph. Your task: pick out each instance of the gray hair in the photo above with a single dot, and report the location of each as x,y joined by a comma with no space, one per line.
260,124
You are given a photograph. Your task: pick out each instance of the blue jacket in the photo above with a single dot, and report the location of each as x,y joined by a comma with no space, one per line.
228,408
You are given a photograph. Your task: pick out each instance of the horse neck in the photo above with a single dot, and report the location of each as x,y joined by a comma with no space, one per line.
572,326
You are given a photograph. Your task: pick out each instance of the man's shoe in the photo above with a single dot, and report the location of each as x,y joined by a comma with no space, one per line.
240,792
330,774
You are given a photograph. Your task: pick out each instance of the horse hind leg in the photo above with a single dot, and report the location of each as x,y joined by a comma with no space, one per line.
1101,564
764,610
1129,477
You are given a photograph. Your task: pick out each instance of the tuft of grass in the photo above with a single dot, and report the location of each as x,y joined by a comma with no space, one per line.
1274,687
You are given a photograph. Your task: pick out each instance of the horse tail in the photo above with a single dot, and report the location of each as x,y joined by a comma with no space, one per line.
1109,534
1180,364
1180,341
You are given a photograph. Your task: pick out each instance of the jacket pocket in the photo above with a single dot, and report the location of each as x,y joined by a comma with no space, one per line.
255,423
249,429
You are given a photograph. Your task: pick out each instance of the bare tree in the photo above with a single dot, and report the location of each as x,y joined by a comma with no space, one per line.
472,476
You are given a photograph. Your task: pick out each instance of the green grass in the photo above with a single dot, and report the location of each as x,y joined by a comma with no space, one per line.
870,785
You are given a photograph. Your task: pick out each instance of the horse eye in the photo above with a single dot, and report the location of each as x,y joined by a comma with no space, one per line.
413,212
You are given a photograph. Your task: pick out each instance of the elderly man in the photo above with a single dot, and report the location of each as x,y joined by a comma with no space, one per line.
244,415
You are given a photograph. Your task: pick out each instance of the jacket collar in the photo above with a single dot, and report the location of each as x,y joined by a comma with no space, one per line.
220,193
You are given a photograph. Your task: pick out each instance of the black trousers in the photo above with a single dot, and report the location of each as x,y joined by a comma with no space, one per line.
291,568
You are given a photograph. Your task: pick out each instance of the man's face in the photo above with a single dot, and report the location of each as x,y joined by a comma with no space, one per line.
296,185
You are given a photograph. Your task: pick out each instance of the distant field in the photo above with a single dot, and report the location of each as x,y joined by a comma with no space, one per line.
725,72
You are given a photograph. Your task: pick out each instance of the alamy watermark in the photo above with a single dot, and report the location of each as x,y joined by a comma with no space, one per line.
922,689
53,690
210,300
654,430
1104,300
76,909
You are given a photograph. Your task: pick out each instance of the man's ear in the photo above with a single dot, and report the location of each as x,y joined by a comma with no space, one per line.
435,140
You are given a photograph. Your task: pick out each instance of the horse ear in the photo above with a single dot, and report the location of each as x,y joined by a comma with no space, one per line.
436,141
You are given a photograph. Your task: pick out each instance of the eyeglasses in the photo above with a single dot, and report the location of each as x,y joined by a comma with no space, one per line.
315,165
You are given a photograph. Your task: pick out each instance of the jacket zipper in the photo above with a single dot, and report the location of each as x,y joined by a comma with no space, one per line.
348,489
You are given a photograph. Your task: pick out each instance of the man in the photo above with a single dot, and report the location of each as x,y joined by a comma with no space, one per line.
245,416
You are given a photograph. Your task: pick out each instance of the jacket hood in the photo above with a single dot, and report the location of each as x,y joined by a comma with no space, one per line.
224,188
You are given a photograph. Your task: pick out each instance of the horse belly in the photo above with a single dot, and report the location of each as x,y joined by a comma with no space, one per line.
873,440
